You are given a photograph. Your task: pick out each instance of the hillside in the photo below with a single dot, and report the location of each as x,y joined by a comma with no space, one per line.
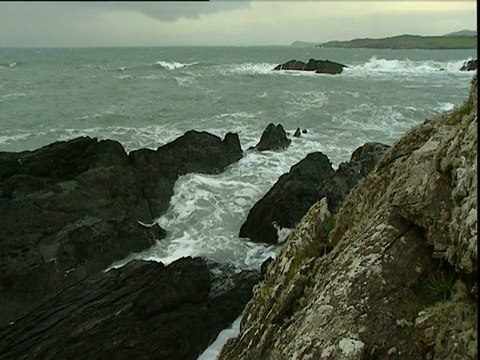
394,274
407,42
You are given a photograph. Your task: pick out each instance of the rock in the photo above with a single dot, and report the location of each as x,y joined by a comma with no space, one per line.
273,138
72,208
470,65
288,200
140,311
362,161
396,277
297,133
306,183
195,151
319,66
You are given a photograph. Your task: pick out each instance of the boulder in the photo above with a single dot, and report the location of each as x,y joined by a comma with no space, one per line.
288,200
72,208
319,66
273,138
470,65
143,310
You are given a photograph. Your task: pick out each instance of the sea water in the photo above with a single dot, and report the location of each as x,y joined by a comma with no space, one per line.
147,97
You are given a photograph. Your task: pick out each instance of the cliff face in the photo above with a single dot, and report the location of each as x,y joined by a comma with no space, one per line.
394,273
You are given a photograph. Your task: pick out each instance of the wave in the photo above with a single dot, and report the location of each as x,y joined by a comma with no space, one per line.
172,65
380,65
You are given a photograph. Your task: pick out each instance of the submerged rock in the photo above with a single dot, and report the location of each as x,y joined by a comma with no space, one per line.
72,208
140,311
395,274
319,66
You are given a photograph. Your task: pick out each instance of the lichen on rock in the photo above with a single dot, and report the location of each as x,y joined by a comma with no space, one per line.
397,275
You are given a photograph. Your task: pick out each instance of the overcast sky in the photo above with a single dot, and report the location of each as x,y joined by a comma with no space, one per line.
57,24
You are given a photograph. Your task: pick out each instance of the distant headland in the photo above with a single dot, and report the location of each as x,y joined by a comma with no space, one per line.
464,39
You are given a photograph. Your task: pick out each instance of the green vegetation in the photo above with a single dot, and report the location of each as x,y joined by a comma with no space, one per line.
408,42
458,114
440,286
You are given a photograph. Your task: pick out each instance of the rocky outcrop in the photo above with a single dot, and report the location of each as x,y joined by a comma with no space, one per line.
288,200
273,138
318,66
348,174
140,311
470,65
394,274
70,209
284,205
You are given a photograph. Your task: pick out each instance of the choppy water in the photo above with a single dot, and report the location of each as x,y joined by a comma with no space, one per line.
147,97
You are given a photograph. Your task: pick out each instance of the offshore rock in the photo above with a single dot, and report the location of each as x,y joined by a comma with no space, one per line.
273,138
470,65
319,66
72,208
288,200
140,311
396,277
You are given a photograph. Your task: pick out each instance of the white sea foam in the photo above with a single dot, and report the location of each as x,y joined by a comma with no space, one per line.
172,65
444,106
247,68
12,96
212,352
396,66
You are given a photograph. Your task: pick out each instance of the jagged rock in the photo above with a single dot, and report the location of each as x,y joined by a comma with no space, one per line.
397,275
195,151
273,138
297,133
71,208
140,311
307,182
319,66
288,200
362,161
470,65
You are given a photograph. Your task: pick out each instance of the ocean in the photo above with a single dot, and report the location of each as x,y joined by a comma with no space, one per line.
147,97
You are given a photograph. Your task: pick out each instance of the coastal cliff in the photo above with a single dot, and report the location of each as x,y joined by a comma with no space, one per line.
394,273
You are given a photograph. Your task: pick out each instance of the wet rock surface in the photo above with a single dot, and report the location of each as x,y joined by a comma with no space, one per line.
273,138
318,66
72,208
313,178
143,310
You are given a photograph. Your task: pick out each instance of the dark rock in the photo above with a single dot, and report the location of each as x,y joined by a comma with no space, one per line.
141,311
470,65
307,182
264,267
72,208
304,131
273,138
195,151
362,161
288,200
319,66
297,133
